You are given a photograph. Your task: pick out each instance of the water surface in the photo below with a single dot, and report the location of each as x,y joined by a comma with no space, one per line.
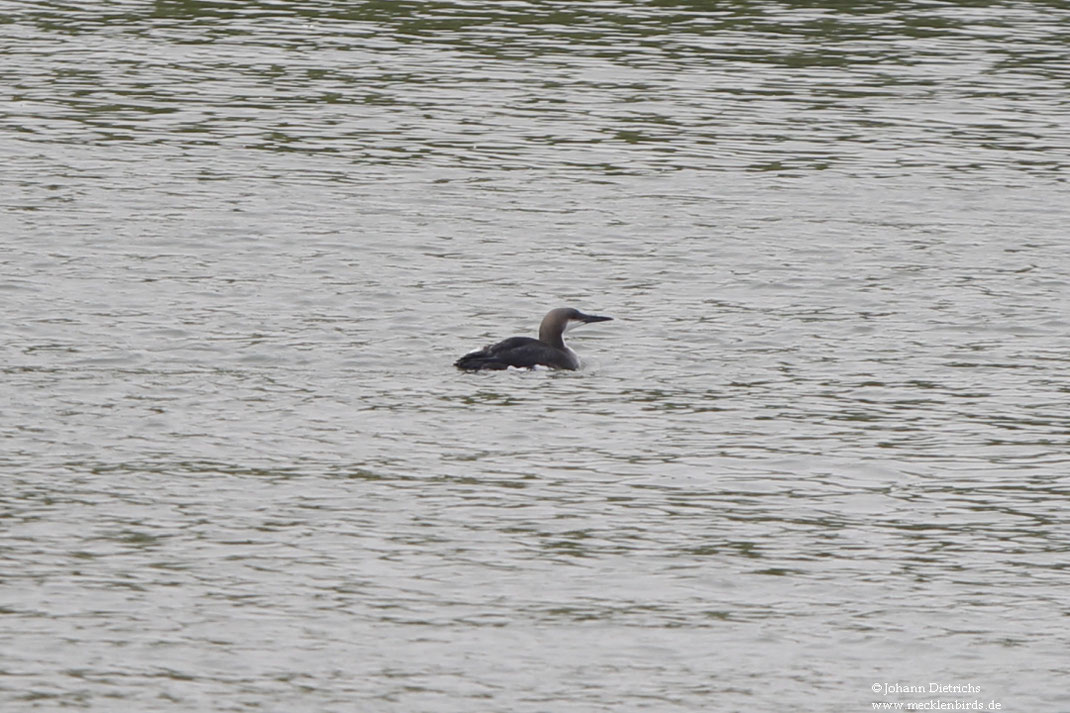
823,444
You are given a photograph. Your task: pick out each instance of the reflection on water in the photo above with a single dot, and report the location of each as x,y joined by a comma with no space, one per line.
621,87
822,445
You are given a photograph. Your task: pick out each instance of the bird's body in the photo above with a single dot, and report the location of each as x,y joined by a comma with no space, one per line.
548,350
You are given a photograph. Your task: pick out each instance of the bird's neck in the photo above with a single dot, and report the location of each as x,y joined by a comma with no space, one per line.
553,337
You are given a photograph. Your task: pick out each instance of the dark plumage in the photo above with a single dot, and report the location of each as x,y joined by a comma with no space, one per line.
527,353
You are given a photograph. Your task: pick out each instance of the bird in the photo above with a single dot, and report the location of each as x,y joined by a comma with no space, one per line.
548,350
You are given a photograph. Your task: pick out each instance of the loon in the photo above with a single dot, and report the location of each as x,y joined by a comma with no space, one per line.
527,353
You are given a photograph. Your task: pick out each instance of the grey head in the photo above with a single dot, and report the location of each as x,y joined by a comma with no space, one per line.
560,320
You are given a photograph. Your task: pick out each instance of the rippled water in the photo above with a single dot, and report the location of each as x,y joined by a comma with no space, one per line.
823,445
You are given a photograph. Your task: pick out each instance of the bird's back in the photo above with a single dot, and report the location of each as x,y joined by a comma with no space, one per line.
517,352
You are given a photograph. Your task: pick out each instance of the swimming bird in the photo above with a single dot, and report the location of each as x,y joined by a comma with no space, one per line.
527,353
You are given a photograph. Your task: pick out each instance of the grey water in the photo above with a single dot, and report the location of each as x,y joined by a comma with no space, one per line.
820,460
